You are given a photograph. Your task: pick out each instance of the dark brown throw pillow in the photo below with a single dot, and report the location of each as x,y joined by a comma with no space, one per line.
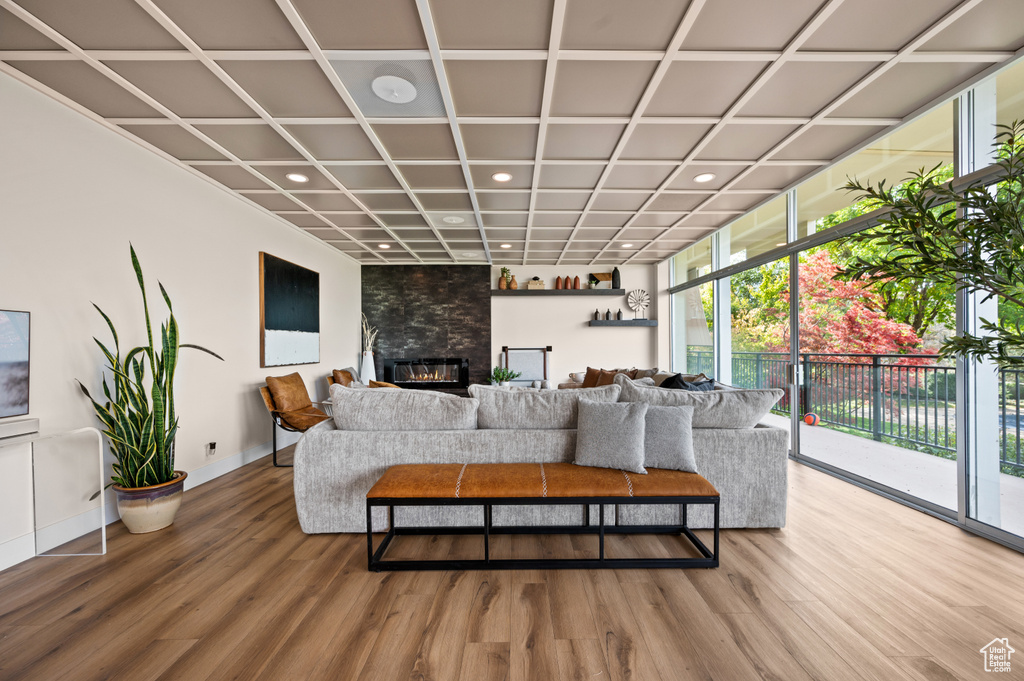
383,384
289,392
605,378
631,373
590,380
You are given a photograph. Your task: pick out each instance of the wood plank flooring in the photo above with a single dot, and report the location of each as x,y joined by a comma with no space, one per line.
855,587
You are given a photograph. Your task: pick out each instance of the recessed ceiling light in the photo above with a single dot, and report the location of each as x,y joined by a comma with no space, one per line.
704,177
297,177
782,244
384,246
394,89
627,245
501,177
471,255
453,220
506,246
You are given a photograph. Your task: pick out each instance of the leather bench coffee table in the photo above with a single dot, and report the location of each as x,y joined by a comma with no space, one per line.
521,484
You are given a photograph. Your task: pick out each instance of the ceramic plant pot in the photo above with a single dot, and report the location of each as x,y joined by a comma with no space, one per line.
148,509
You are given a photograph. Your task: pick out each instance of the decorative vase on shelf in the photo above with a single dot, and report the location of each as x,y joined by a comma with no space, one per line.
616,278
608,315
618,315
513,284
597,315
502,284
575,283
558,283
367,372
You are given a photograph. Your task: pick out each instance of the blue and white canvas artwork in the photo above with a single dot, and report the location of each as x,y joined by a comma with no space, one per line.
14,356
289,313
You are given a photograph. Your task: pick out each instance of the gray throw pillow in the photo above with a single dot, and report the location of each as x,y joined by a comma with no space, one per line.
668,439
385,409
717,408
611,435
506,409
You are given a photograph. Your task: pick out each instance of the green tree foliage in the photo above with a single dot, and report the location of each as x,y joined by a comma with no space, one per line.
921,304
760,308
968,238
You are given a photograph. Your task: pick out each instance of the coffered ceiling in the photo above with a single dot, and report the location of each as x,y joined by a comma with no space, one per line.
602,111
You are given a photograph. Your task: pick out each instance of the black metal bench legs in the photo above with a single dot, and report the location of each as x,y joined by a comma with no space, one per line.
708,557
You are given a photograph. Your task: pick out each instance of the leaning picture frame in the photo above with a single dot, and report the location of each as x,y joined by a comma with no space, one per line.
15,349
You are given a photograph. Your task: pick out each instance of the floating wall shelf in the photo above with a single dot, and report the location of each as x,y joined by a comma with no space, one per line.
560,292
624,322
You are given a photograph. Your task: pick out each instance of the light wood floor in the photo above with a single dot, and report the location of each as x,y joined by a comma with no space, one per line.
856,587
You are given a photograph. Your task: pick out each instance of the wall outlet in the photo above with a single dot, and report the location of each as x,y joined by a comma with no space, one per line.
211,448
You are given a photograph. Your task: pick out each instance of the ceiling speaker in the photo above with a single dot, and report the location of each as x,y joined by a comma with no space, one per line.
392,89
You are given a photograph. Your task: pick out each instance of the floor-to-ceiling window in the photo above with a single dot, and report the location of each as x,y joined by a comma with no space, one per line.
863,355
884,399
757,343
693,347
994,494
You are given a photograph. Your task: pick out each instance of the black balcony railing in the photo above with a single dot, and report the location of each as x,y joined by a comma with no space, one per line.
906,400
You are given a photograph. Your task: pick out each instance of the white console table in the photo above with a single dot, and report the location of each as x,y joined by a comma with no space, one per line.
33,438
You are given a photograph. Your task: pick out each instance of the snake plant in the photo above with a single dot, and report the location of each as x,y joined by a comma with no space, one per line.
138,415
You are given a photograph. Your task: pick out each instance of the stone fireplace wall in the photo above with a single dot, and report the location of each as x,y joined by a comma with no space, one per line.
430,311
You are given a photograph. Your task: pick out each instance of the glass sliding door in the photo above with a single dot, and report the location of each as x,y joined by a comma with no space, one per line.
876,400
880,404
995,455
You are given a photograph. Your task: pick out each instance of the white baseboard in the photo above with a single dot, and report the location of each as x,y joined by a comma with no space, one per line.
22,548
16,550
223,466
52,536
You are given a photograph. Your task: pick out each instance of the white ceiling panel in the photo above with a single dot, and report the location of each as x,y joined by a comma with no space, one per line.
402,113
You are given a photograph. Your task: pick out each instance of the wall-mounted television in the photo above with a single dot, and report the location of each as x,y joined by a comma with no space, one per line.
14,357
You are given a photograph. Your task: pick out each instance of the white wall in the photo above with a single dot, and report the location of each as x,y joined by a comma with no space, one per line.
72,196
562,321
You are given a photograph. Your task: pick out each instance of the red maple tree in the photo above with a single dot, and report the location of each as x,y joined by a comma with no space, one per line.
847,321
844,317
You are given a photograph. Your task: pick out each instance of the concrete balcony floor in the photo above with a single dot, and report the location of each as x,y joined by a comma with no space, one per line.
921,475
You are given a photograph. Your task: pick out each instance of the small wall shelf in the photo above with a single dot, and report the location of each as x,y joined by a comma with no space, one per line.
560,292
624,322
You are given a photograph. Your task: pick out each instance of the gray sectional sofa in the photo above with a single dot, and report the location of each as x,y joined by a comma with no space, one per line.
337,461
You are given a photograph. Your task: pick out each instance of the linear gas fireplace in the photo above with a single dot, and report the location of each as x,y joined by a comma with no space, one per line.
428,373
